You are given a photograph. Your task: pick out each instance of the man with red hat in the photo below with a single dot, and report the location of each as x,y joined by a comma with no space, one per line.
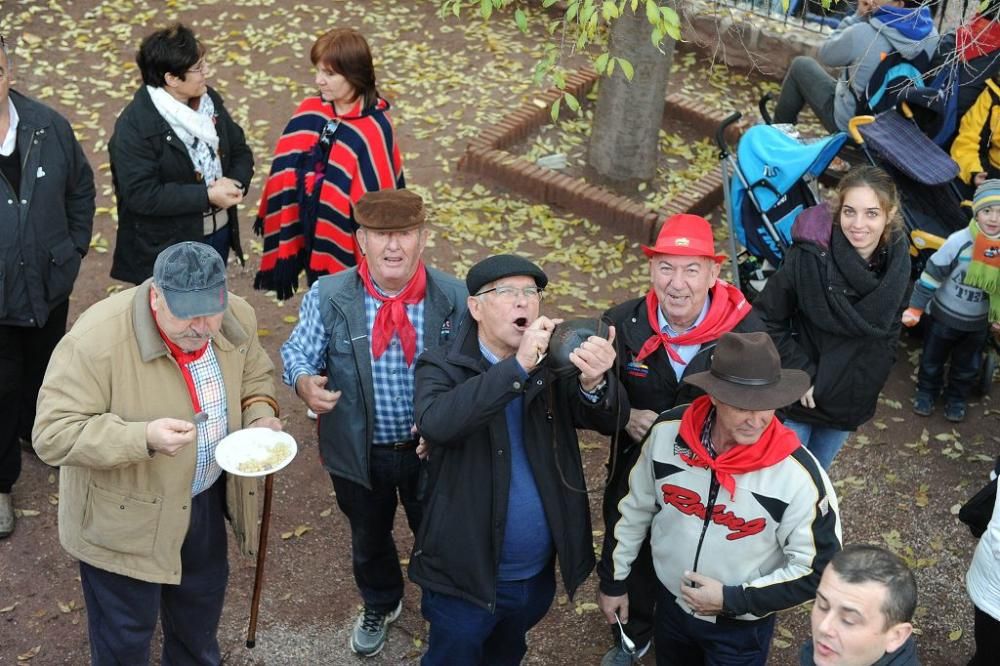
664,337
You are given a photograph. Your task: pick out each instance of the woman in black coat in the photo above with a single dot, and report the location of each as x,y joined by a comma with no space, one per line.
179,162
838,296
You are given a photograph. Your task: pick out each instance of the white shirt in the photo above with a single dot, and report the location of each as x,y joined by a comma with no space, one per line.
686,352
10,141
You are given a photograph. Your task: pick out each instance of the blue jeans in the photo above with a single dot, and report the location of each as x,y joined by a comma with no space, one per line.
822,442
682,638
371,514
465,633
965,349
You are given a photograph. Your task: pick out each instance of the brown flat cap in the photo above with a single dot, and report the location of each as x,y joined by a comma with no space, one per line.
390,210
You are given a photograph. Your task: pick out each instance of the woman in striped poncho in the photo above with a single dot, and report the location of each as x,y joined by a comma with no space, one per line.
337,146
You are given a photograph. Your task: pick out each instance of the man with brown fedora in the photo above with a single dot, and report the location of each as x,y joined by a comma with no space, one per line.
365,327
742,518
663,337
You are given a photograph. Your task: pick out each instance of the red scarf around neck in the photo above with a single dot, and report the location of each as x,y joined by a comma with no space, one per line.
183,358
392,317
728,308
775,444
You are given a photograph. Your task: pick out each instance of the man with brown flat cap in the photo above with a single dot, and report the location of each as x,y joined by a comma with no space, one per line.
365,327
742,518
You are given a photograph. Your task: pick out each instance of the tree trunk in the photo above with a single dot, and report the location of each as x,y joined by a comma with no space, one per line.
625,142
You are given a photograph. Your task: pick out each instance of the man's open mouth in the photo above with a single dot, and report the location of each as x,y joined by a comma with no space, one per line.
521,322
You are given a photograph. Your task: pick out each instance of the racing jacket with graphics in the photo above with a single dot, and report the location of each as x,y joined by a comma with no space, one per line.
767,543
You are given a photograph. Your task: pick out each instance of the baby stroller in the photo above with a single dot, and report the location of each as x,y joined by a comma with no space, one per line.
767,182
924,175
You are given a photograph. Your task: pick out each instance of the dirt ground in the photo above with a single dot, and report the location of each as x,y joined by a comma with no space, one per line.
899,479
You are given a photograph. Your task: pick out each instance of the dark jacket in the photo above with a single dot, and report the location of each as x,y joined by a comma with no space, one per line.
848,369
906,655
46,231
459,406
345,434
161,199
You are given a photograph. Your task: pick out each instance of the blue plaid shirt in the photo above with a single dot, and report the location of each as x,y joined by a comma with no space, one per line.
304,353
211,390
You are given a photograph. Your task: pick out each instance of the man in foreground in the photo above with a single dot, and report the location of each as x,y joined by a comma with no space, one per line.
742,518
137,397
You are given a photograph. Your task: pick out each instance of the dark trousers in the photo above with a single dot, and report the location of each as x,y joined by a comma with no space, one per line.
122,611
682,638
966,351
24,355
220,239
371,514
462,632
807,83
987,640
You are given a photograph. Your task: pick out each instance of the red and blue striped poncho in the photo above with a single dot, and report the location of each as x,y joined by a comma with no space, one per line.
306,210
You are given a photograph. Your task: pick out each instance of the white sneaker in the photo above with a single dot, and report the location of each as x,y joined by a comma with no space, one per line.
6,515
310,414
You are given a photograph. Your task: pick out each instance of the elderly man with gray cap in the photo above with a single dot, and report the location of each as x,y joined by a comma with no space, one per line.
742,519
364,327
507,493
137,396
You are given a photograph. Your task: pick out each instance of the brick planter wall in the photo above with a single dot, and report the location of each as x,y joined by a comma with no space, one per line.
487,155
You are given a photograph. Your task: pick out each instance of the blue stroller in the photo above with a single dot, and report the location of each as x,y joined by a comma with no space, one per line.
775,178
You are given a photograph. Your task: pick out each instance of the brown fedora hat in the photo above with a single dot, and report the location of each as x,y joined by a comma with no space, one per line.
746,373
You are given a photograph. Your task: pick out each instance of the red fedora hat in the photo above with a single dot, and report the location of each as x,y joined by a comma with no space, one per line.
687,235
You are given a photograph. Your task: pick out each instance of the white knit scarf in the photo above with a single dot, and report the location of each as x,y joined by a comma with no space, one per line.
196,129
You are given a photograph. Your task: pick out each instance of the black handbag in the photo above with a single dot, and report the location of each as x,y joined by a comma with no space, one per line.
976,513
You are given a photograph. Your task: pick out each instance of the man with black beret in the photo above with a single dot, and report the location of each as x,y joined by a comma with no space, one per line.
365,327
506,493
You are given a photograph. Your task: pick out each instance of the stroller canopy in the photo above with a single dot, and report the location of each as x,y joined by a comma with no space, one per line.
771,167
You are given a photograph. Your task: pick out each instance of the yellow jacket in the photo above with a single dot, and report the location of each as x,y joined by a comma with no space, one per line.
981,121
121,509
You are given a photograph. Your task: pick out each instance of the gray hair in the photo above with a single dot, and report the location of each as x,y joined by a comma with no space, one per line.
863,563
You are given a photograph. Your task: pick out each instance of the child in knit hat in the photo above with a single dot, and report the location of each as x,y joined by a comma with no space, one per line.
960,289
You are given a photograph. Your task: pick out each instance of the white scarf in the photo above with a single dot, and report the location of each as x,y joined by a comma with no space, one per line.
196,129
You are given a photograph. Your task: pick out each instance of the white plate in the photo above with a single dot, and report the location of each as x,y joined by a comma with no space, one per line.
253,444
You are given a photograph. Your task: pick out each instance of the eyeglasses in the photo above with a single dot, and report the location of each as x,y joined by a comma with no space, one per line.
199,67
511,294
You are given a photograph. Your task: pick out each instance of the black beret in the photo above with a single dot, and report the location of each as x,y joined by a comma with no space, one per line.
501,266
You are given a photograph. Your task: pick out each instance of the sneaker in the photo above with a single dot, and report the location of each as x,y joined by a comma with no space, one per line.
618,656
955,412
6,515
368,637
923,404
310,414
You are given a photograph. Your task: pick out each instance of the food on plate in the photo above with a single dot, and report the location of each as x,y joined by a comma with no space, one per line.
275,456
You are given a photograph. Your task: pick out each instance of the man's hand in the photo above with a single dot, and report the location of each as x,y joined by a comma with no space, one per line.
979,178
639,423
807,399
224,193
423,448
312,390
272,422
705,597
593,358
610,605
911,317
168,436
535,342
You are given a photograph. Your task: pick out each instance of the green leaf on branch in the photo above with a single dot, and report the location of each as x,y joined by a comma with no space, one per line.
652,11
486,8
521,20
627,68
572,102
555,110
784,5
602,62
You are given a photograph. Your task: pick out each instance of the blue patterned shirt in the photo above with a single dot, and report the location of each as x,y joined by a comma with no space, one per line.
304,353
211,391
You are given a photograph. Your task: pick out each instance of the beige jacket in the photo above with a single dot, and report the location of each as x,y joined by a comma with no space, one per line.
121,509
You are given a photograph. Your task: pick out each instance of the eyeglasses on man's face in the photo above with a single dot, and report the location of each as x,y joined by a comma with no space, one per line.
509,294
200,67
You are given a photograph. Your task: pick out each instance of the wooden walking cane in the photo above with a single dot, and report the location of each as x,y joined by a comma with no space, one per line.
258,578
265,523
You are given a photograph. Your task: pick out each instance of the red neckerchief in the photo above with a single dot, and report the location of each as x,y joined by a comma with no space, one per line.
727,309
979,38
392,317
183,358
775,444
